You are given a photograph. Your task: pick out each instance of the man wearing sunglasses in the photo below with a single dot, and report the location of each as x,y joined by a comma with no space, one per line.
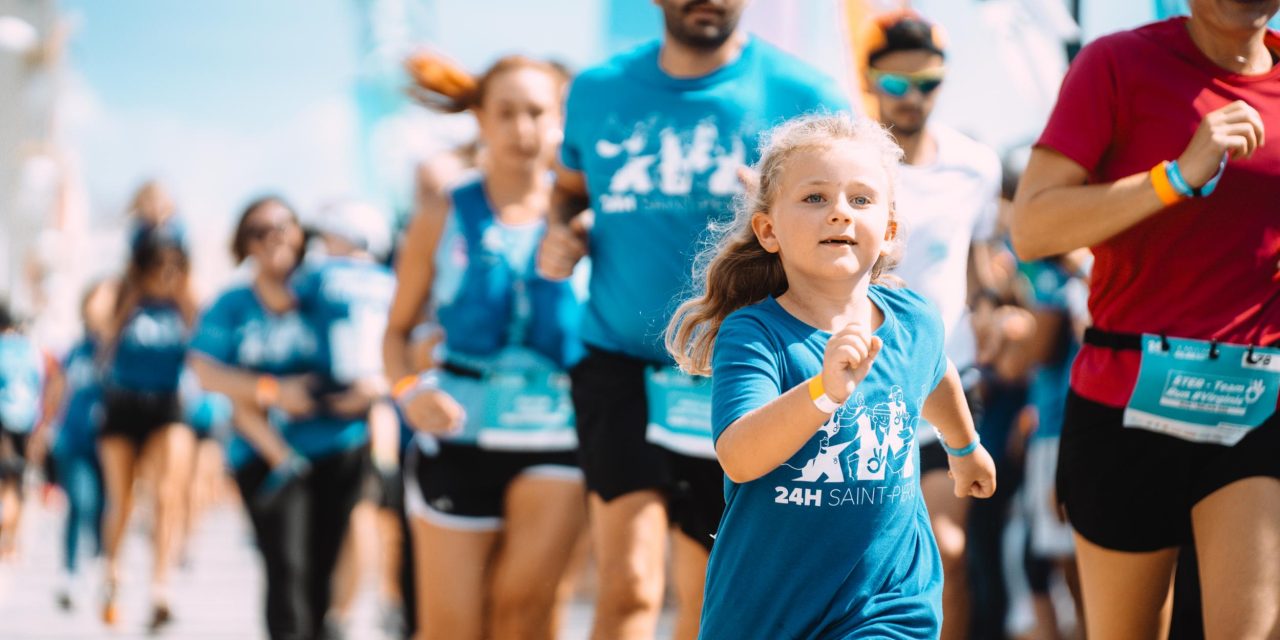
947,199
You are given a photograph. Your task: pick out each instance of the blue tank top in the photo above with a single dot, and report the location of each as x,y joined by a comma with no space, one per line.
500,318
151,349
487,293
21,382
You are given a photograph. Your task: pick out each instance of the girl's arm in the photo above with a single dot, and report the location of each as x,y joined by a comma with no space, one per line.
947,410
764,438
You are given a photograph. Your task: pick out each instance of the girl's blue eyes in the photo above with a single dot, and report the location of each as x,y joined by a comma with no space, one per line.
857,201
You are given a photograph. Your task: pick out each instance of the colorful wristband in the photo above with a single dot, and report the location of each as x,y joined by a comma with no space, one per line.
1165,190
403,386
818,394
963,451
266,391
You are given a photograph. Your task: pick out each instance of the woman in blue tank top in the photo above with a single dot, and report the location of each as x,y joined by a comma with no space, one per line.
494,495
142,427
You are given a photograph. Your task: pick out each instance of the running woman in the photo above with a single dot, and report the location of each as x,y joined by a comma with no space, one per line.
142,426
821,376
75,447
654,142
22,381
493,490
298,463
1156,157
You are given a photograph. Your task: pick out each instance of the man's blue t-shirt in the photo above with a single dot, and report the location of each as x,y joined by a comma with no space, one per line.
239,331
151,350
22,377
661,156
834,543
78,428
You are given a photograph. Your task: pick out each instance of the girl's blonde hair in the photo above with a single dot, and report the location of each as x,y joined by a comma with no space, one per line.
734,270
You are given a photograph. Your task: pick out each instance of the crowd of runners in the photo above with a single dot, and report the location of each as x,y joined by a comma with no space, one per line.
694,329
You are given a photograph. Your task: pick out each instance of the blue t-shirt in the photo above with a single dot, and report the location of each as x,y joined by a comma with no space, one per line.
239,331
21,382
347,300
151,350
661,156
834,543
1051,289
82,413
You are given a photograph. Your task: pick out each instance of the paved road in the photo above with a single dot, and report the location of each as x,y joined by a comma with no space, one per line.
217,596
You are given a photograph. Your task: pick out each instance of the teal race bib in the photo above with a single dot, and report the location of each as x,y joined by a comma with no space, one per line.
679,411
527,408
1203,392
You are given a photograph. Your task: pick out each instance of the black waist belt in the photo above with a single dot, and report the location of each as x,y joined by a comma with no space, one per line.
461,371
1113,339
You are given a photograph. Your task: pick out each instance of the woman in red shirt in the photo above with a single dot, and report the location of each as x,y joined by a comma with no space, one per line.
1156,158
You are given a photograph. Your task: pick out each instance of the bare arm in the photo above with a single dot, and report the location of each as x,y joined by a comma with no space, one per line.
947,410
1055,212
251,422
415,270
242,386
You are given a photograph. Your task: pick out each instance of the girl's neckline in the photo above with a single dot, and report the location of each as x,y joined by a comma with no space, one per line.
877,300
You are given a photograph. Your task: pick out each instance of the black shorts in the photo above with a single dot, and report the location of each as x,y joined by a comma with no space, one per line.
135,415
612,418
1133,490
13,454
465,487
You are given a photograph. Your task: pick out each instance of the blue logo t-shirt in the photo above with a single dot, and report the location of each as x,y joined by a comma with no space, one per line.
151,350
835,542
661,157
239,331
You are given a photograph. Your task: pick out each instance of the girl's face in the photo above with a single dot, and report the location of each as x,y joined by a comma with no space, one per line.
168,276
520,120
274,239
829,219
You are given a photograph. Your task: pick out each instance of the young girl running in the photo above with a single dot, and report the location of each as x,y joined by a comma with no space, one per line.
497,505
821,375
142,427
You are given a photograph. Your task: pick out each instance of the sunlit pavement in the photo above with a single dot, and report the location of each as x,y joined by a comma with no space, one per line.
216,595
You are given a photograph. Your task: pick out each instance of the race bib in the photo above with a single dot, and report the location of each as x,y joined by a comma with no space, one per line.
527,408
679,412
1203,392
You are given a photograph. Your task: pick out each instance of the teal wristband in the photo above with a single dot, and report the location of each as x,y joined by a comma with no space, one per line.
964,451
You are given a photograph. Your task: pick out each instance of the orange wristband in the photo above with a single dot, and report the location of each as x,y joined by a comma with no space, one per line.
267,390
1164,189
403,385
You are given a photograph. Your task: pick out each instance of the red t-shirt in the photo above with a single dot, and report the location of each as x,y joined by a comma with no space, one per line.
1202,268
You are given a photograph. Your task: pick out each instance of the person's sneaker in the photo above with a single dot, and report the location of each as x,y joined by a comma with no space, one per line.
161,617
64,600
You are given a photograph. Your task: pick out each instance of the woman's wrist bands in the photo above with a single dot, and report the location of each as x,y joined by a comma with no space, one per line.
266,391
1172,187
1161,182
963,451
818,394
403,386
